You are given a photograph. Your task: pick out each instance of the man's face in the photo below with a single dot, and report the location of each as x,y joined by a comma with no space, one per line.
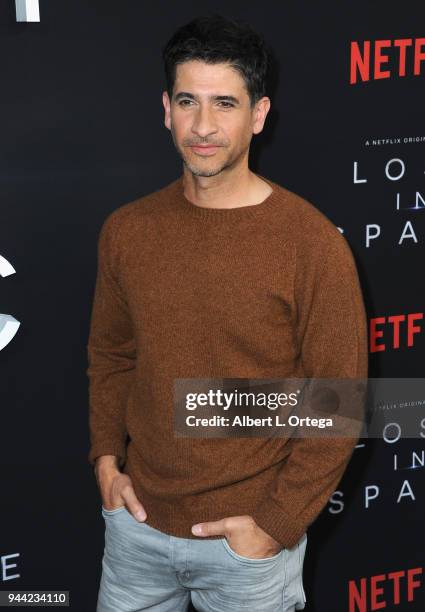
210,108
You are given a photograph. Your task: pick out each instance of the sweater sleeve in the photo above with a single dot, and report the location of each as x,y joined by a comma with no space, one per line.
111,354
332,337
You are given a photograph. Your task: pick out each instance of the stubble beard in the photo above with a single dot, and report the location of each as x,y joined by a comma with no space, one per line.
198,170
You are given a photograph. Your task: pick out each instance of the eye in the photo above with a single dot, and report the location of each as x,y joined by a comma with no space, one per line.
229,104
182,102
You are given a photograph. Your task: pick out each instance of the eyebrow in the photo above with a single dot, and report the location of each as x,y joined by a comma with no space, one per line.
185,94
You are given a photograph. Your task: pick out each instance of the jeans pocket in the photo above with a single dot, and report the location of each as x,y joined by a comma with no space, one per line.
301,546
112,512
242,559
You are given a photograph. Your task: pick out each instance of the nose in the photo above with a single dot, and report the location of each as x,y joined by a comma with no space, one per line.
204,123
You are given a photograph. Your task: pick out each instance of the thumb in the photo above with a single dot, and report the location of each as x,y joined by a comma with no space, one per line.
209,529
134,505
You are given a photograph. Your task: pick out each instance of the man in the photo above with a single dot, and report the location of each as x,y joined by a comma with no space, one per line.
222,273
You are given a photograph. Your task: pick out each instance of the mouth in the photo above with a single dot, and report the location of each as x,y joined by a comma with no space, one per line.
205,149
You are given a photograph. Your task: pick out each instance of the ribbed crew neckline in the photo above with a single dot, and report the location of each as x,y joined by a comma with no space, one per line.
226,214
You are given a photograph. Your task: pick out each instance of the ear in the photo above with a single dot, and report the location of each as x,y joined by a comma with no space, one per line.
260,111
167,108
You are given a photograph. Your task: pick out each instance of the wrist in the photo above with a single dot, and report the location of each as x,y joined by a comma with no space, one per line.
106,467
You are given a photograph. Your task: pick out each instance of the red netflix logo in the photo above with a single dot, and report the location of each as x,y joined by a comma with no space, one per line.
396,329
374,57
384,589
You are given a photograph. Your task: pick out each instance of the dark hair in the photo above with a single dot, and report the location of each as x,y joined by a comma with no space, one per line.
216,39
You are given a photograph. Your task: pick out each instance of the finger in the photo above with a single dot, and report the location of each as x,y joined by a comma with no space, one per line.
209,529
133,504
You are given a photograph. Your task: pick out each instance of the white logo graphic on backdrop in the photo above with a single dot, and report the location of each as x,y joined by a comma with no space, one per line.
27,10
6,567
394,170
8,324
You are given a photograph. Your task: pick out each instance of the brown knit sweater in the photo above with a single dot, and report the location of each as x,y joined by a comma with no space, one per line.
261,291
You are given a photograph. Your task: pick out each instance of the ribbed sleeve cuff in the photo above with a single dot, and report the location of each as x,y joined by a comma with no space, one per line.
107,448
273,520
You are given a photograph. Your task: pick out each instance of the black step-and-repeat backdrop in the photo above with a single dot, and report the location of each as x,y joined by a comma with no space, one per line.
81,133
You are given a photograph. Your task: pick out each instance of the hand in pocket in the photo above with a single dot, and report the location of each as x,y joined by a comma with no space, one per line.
117,490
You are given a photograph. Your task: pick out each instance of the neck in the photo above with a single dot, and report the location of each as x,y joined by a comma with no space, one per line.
229,188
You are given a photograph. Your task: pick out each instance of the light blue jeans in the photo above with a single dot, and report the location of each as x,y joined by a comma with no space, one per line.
146,569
